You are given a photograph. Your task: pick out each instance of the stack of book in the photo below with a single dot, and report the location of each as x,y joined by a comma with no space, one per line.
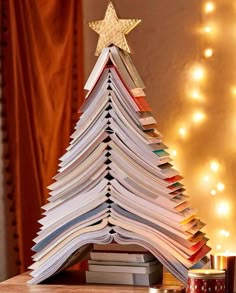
116,183
123,264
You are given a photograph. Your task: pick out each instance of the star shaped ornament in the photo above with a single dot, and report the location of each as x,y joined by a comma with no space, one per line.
112,30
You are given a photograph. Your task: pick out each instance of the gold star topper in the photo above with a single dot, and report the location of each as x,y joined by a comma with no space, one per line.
112,30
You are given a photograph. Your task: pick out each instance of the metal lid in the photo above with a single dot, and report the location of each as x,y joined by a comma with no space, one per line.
166,289
207,274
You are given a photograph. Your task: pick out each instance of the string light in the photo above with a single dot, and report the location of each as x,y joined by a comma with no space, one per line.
220,186
224,233
198,117
174,153
213,192
198,73
209,7
214,165
218,247
206,178
233,90
223,208
195,94
207,29
182,131
215,187
208,52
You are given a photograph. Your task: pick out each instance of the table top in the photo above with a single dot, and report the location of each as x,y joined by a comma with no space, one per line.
65,282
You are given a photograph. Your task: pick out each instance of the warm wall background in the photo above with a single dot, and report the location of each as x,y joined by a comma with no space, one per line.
166,45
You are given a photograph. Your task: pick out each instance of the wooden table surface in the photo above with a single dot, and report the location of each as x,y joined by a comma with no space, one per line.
65,282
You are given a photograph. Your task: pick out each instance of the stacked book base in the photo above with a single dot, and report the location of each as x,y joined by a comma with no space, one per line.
129,268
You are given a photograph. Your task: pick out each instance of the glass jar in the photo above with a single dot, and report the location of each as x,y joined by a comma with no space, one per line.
206,281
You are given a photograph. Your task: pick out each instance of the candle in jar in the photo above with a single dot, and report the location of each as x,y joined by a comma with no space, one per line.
226,261
206,281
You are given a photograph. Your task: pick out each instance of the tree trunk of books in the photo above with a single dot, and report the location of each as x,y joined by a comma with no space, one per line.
115,182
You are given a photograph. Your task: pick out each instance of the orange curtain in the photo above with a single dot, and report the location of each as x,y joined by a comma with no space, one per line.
42,91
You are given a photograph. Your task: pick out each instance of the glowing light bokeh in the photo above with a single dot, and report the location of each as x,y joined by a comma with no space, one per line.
174,153
214,166
233,91
206,178
198,73
207,29
220,186
198,117
195,94
210,176
224,233
218,247
213,192
182,131
208,52
223,208
209,7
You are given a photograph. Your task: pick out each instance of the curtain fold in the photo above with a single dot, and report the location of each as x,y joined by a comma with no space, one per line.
42,70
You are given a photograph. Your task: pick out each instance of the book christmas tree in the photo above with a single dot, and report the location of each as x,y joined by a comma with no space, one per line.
115,182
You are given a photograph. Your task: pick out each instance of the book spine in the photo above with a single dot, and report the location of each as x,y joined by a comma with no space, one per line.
119,248
118,257
118,269
142,104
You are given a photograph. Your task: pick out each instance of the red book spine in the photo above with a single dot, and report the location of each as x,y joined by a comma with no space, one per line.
142,103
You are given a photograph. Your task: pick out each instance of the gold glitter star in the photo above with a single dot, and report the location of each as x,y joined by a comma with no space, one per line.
112,30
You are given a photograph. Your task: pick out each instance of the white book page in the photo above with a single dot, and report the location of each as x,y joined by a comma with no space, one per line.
148,208
97,70
135,164
86,151
96,218
168,224
58,259
117,143
67,239
184,250
173,265
152,236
